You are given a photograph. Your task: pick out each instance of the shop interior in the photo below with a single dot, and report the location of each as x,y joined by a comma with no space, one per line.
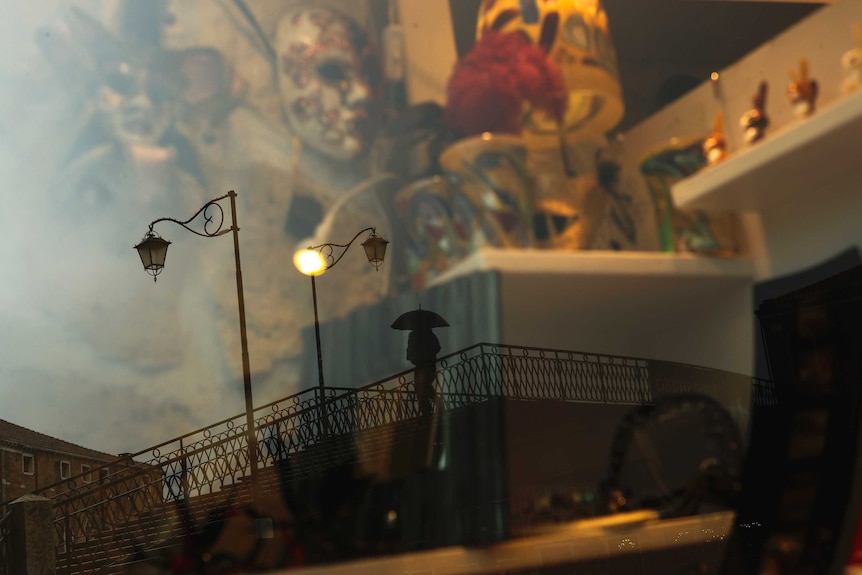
605,317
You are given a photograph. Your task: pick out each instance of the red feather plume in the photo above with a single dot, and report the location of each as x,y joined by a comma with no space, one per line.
489,85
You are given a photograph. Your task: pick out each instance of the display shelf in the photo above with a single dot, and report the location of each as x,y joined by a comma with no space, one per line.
640,304
805,157
569,544
596,269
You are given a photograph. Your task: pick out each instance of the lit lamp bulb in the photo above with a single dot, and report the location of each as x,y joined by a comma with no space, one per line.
310,262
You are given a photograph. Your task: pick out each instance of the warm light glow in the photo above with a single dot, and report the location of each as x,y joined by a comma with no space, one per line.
310,262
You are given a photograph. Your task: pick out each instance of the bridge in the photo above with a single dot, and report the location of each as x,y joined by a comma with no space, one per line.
133,509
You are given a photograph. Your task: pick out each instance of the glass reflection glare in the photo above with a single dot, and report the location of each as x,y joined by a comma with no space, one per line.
310,262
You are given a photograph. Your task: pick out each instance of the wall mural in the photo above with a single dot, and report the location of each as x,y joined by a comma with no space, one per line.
131,110
118,112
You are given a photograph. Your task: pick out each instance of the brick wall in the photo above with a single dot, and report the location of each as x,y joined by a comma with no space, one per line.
46,470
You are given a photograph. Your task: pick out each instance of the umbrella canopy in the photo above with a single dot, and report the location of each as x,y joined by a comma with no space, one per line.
419,319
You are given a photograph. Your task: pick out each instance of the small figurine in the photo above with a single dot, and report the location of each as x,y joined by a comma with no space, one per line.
715,146
851,61
802,91
755,121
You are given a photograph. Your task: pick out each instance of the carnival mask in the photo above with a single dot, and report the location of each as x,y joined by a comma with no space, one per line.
134,101
324,80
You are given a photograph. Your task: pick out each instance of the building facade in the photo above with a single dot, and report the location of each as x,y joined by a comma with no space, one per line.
30,460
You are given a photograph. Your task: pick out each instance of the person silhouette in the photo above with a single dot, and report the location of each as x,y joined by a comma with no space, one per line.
422,349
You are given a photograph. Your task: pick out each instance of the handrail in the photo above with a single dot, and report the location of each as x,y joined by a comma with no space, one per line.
130,459
205,462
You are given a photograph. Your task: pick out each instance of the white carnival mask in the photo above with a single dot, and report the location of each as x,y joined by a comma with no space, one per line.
324,80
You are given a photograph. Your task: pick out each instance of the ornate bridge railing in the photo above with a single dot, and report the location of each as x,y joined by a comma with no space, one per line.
763,393
132,506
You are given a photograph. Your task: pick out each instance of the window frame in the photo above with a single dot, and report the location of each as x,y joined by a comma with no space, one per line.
68,466
24,458
87,472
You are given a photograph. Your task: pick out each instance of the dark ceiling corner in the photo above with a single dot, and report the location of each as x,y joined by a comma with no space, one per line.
666,45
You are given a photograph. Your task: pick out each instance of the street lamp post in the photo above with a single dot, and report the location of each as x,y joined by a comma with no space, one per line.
315,260
153,249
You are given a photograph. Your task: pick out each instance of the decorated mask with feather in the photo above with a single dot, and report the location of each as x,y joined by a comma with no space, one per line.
325,79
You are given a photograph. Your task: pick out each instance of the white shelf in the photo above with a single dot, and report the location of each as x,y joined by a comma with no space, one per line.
805,157
600,267
640,304
569,544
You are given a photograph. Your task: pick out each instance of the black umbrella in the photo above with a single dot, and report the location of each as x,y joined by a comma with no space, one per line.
419,319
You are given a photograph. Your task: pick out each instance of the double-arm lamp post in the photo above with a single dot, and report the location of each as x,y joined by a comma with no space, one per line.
315,260
153,249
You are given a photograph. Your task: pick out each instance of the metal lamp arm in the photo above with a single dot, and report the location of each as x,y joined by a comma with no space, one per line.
327,250
213,220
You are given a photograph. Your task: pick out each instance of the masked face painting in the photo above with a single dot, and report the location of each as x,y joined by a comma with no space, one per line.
133,100
324,79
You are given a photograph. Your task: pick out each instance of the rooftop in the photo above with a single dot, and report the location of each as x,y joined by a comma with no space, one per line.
22,438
